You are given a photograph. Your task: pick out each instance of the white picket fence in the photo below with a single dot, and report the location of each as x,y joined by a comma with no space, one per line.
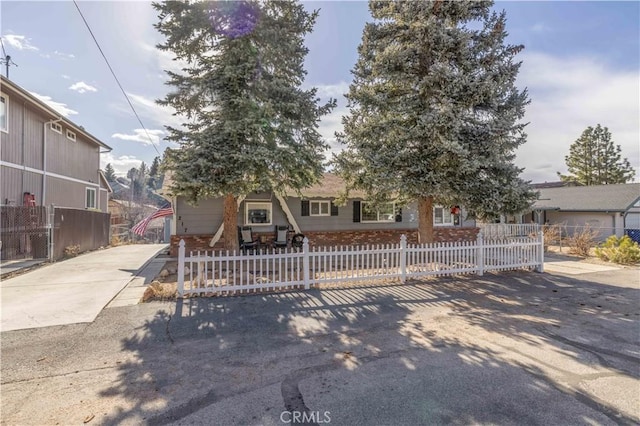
492,231
219,273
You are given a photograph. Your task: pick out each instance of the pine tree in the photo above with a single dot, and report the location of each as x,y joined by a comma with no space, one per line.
109,173
594,160
251,125
434,110
154,174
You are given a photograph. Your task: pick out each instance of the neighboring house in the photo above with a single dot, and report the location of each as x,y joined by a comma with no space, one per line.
125,214
313,214
46,156
611,209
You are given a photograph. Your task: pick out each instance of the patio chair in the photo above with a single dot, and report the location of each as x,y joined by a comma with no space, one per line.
245,238
297,241
282,237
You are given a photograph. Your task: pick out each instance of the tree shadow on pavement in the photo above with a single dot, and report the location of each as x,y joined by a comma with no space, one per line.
512,348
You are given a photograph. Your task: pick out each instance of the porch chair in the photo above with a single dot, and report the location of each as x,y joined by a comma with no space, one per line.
282,238
245,238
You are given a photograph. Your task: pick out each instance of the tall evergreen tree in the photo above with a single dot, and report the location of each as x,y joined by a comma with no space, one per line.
154,174
434,110
251,125
109,173
594,159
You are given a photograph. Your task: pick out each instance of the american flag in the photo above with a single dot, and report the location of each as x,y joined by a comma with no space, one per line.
140,227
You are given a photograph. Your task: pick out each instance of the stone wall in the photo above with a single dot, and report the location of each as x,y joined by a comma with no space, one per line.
337,238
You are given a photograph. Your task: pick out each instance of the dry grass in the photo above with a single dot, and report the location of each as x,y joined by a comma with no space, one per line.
158,291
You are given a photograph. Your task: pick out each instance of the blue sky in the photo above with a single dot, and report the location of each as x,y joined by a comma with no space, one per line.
581,64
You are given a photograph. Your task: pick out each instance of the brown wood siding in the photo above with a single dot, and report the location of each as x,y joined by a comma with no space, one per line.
15,182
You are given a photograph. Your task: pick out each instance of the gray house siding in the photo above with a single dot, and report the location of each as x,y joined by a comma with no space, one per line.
344,220
70,166
205,218
69,194
79,159
15,182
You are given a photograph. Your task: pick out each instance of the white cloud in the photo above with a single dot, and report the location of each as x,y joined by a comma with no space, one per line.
121,164
82,87
540,27
148,109
66,77
139,135
19,42
164,60
58,106
569,94
336,91
62,55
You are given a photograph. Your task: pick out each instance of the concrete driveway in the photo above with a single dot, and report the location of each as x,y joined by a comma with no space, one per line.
513,348
71,291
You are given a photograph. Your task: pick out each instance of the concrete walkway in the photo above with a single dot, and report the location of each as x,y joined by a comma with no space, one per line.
555,263
71,291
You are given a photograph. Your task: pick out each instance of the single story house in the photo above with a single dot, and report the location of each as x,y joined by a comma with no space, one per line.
609,209
313,214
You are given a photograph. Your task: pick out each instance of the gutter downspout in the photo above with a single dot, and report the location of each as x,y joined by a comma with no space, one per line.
24,163
44,158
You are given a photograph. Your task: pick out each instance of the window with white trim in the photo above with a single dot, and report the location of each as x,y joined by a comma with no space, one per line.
442,216
71,136
320,208
90,198
384,213
56,127
4,112
258,213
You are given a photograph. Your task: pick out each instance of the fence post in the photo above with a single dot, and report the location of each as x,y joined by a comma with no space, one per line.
540,248
181,260
305,263
480,254
51,212
403,258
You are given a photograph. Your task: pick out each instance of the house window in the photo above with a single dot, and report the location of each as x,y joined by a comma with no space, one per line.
257,213
320,208
71,136
442,216
384,213
90,202
4,113
56,128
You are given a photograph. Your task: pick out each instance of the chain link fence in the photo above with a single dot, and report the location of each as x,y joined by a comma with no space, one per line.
25,232
565,237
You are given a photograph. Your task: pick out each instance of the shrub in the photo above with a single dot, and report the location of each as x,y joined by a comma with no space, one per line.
619,250
582,241
552,234
160,291
71,251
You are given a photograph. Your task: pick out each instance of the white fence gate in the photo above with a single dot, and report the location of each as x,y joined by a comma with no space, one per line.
235,273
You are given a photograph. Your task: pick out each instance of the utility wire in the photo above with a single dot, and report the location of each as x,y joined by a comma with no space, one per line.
116,78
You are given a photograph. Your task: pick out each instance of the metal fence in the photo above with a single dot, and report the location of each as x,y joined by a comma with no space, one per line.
24,232
76,230
235,273
50,233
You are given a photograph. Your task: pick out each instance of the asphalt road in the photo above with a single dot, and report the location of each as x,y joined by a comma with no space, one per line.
513,348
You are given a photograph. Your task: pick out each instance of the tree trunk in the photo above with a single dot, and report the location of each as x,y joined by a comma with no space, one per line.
230,220
425,220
